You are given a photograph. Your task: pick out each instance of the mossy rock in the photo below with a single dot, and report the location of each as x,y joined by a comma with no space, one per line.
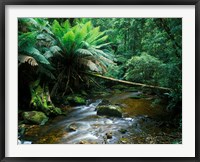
123,131
109,110
35,117
124,140
75,100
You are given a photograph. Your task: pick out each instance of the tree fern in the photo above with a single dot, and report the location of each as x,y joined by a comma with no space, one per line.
76,48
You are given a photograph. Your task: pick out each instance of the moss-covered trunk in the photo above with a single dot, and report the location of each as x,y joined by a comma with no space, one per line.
41,100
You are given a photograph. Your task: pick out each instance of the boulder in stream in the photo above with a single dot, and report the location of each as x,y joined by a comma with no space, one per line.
109,110
35,117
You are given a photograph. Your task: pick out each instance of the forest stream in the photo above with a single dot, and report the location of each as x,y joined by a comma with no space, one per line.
141,123
99,80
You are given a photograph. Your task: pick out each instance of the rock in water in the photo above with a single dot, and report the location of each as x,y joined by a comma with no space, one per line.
72,127
109,135
109,110
35,117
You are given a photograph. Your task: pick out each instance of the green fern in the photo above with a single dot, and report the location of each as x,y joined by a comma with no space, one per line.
57,29
33,52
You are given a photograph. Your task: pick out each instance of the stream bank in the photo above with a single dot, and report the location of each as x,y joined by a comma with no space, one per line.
141,122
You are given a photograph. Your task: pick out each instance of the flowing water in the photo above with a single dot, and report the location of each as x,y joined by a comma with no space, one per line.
84,126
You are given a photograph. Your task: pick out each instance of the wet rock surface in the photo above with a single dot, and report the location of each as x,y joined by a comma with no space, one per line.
109,110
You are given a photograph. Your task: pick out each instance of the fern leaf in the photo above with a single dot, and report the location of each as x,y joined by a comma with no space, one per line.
57,29
55,49
84,52
67,26
102,45
33,52
93,34
27,39
88,26
48,54
28,59
68,40
100,40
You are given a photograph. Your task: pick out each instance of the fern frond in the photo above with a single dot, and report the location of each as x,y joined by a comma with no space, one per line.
84,52
68,40
35,53
66,26
55,49
88,26
27,39
102,45
100,40
89,64
30,60
57,29
92,35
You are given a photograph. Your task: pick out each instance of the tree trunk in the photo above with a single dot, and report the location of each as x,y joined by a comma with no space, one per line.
128,82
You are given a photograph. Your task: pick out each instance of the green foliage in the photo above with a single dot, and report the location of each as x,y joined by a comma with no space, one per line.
83,48
73,48
144,69
146,50
31,44
40,99
158,37
81,41
75,100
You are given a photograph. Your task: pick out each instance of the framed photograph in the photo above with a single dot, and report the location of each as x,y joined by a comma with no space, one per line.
99,80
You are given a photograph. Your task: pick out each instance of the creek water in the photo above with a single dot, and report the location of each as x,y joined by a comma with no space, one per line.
84,126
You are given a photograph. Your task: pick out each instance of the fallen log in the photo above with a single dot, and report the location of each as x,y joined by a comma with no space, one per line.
127,82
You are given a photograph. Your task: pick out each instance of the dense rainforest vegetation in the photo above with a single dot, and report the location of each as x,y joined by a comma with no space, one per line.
68,62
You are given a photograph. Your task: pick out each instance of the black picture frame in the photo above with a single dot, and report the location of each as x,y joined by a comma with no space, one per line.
4,3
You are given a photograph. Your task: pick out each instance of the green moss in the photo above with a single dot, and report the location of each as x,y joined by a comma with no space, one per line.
75,100
79,100
124,140
35,117
57,111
